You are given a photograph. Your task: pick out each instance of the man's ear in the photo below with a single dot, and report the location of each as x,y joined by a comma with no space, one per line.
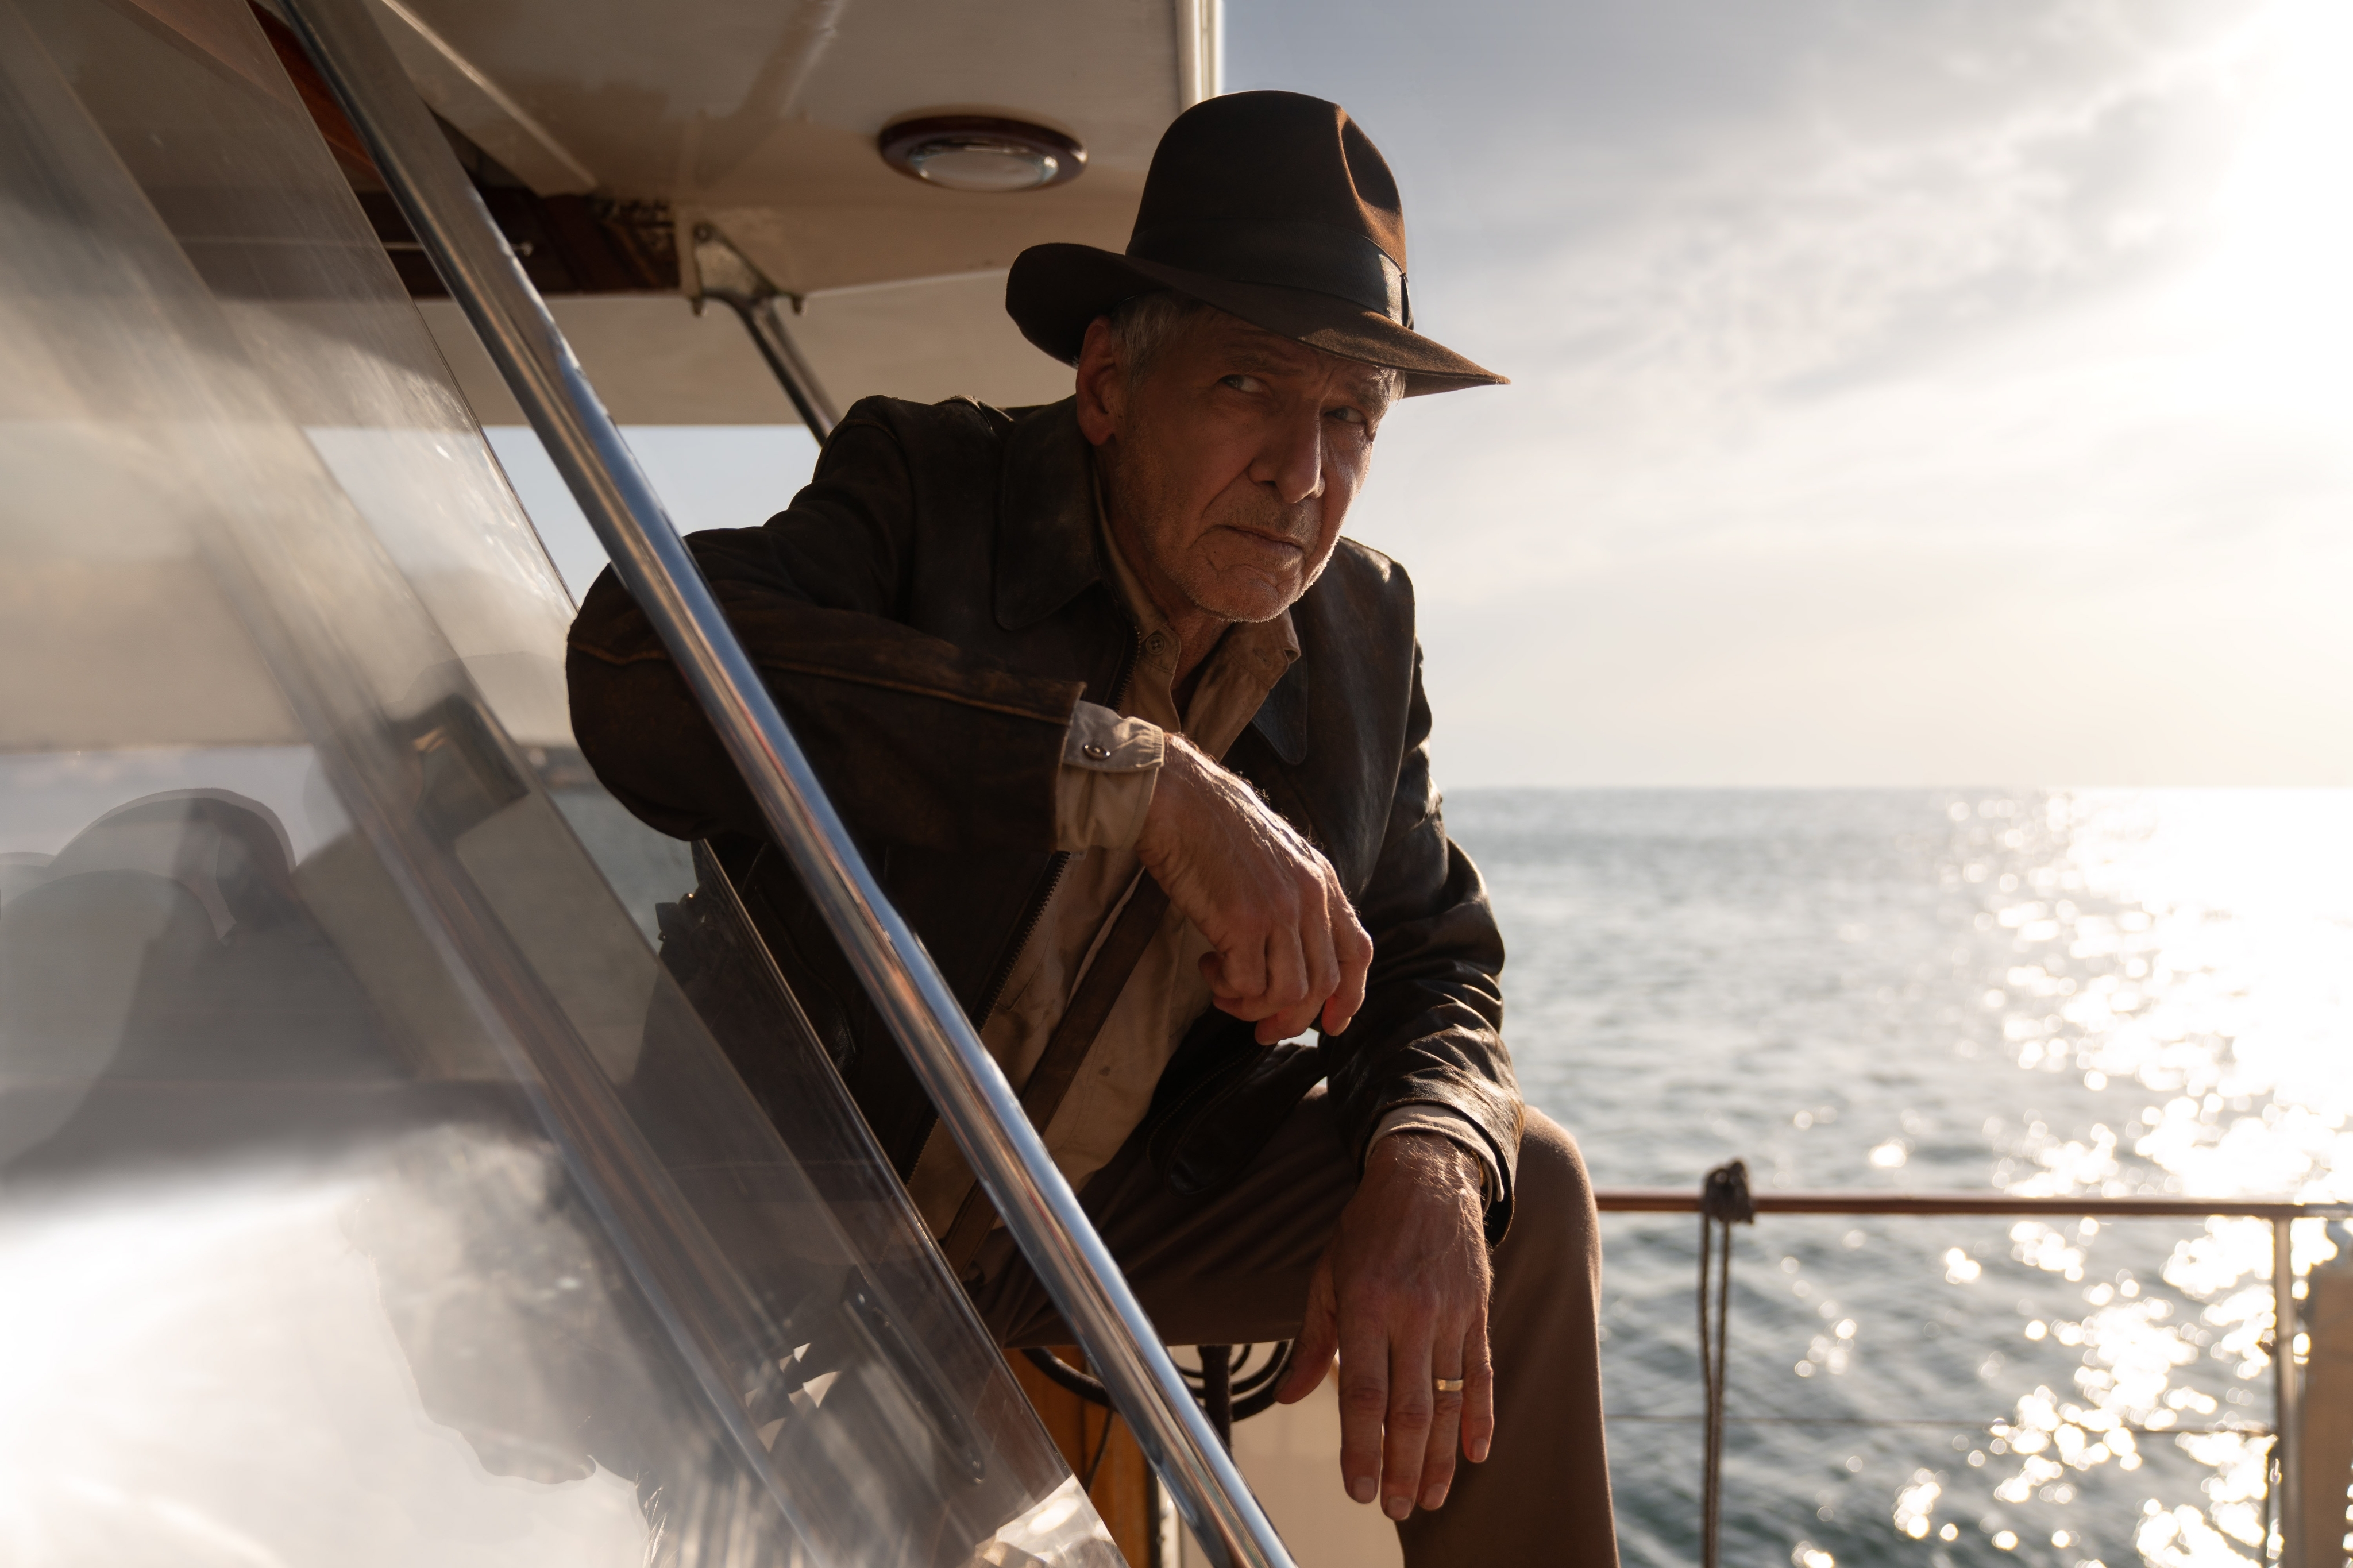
1102,383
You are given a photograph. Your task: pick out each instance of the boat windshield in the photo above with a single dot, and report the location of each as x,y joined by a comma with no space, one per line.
377,1181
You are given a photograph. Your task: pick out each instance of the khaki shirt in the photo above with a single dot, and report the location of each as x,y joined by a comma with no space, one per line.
1110,763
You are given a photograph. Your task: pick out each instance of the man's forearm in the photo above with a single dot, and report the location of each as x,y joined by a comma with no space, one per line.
918,741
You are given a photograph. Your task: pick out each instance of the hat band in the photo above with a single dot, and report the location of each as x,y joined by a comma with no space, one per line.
1310,255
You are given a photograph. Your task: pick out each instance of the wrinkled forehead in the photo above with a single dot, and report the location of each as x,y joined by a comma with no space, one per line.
1241,347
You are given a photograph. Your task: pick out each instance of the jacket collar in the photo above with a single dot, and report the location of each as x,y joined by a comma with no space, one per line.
1046,551
1283,717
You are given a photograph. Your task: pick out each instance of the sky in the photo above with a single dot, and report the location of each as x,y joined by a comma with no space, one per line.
1940,394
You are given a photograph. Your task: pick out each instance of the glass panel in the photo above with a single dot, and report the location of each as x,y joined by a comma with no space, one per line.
369,1191
192,100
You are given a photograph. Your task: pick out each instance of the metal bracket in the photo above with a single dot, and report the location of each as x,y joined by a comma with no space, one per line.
723,273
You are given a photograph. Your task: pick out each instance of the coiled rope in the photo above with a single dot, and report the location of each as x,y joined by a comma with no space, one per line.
1230,1390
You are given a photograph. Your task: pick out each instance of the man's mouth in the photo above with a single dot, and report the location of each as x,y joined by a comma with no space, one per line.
1269,541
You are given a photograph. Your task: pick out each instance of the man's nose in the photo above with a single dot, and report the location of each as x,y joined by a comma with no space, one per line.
1290,460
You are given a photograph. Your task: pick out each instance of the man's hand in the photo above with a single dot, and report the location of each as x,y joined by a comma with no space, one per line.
1288,946
1402,1295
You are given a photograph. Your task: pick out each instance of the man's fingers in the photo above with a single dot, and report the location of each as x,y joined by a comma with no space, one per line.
1296,968
1237,972
1412,1408
1286,971
1318,1342
1272,1025
1327,937
1294,1019
1320,980
1273,1031
1352,954
1259,973
1322,947
1478,1396
1456,1414
1445,1431
1364,1401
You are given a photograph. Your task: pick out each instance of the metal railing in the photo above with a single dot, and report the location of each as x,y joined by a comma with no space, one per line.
2282,1214
974,1100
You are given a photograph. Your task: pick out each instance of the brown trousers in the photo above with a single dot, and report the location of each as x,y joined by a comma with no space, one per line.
1231,1266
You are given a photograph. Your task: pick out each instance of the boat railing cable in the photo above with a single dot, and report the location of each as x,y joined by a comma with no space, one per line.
964,1082
1724,1200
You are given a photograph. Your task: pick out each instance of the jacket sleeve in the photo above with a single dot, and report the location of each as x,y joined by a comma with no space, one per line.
1430,1030
917,742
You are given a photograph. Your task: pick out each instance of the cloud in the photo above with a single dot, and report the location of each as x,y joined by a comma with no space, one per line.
1860,431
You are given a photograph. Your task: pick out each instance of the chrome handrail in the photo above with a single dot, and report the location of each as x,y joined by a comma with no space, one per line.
963,1081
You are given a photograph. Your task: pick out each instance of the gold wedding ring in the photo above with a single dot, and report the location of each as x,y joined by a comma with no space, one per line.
1449,1385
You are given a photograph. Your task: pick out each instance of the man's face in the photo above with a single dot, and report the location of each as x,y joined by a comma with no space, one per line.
1229,468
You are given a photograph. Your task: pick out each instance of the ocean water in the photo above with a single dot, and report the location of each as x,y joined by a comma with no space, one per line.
2043,991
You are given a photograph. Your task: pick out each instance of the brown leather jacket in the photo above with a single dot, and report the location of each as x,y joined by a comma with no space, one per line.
928,612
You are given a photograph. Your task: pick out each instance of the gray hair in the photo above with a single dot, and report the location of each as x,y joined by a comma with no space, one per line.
1143,324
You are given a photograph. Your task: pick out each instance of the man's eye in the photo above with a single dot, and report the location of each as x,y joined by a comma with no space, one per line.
1243,382
1348,415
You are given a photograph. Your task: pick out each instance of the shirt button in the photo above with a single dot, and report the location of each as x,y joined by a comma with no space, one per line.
1156,643
1095,751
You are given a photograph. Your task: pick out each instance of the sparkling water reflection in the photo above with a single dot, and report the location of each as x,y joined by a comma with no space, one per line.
2050,991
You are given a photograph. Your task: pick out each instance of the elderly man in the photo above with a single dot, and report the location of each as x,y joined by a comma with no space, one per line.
1138,744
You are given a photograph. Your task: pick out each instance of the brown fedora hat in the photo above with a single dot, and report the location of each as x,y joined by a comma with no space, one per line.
1273,207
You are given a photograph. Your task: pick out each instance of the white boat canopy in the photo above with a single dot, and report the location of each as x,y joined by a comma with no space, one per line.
760,121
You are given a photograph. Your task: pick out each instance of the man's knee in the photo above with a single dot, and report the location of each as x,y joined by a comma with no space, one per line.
1552,1198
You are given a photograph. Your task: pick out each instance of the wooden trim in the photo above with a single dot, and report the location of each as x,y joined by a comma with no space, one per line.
1123,1493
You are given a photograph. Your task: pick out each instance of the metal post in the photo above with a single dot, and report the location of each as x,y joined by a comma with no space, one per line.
784,360
723,273
2287,1395
1723,1202
972,1097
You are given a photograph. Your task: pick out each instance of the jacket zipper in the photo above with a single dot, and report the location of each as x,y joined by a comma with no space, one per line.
1050,882
1046,886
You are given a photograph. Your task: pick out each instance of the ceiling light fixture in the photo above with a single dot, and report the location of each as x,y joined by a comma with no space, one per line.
979,153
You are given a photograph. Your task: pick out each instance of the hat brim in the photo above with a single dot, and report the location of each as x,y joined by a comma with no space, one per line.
1055,290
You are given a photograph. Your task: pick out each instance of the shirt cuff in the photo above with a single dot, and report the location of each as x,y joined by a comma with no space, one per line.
1109,767
1455,1128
